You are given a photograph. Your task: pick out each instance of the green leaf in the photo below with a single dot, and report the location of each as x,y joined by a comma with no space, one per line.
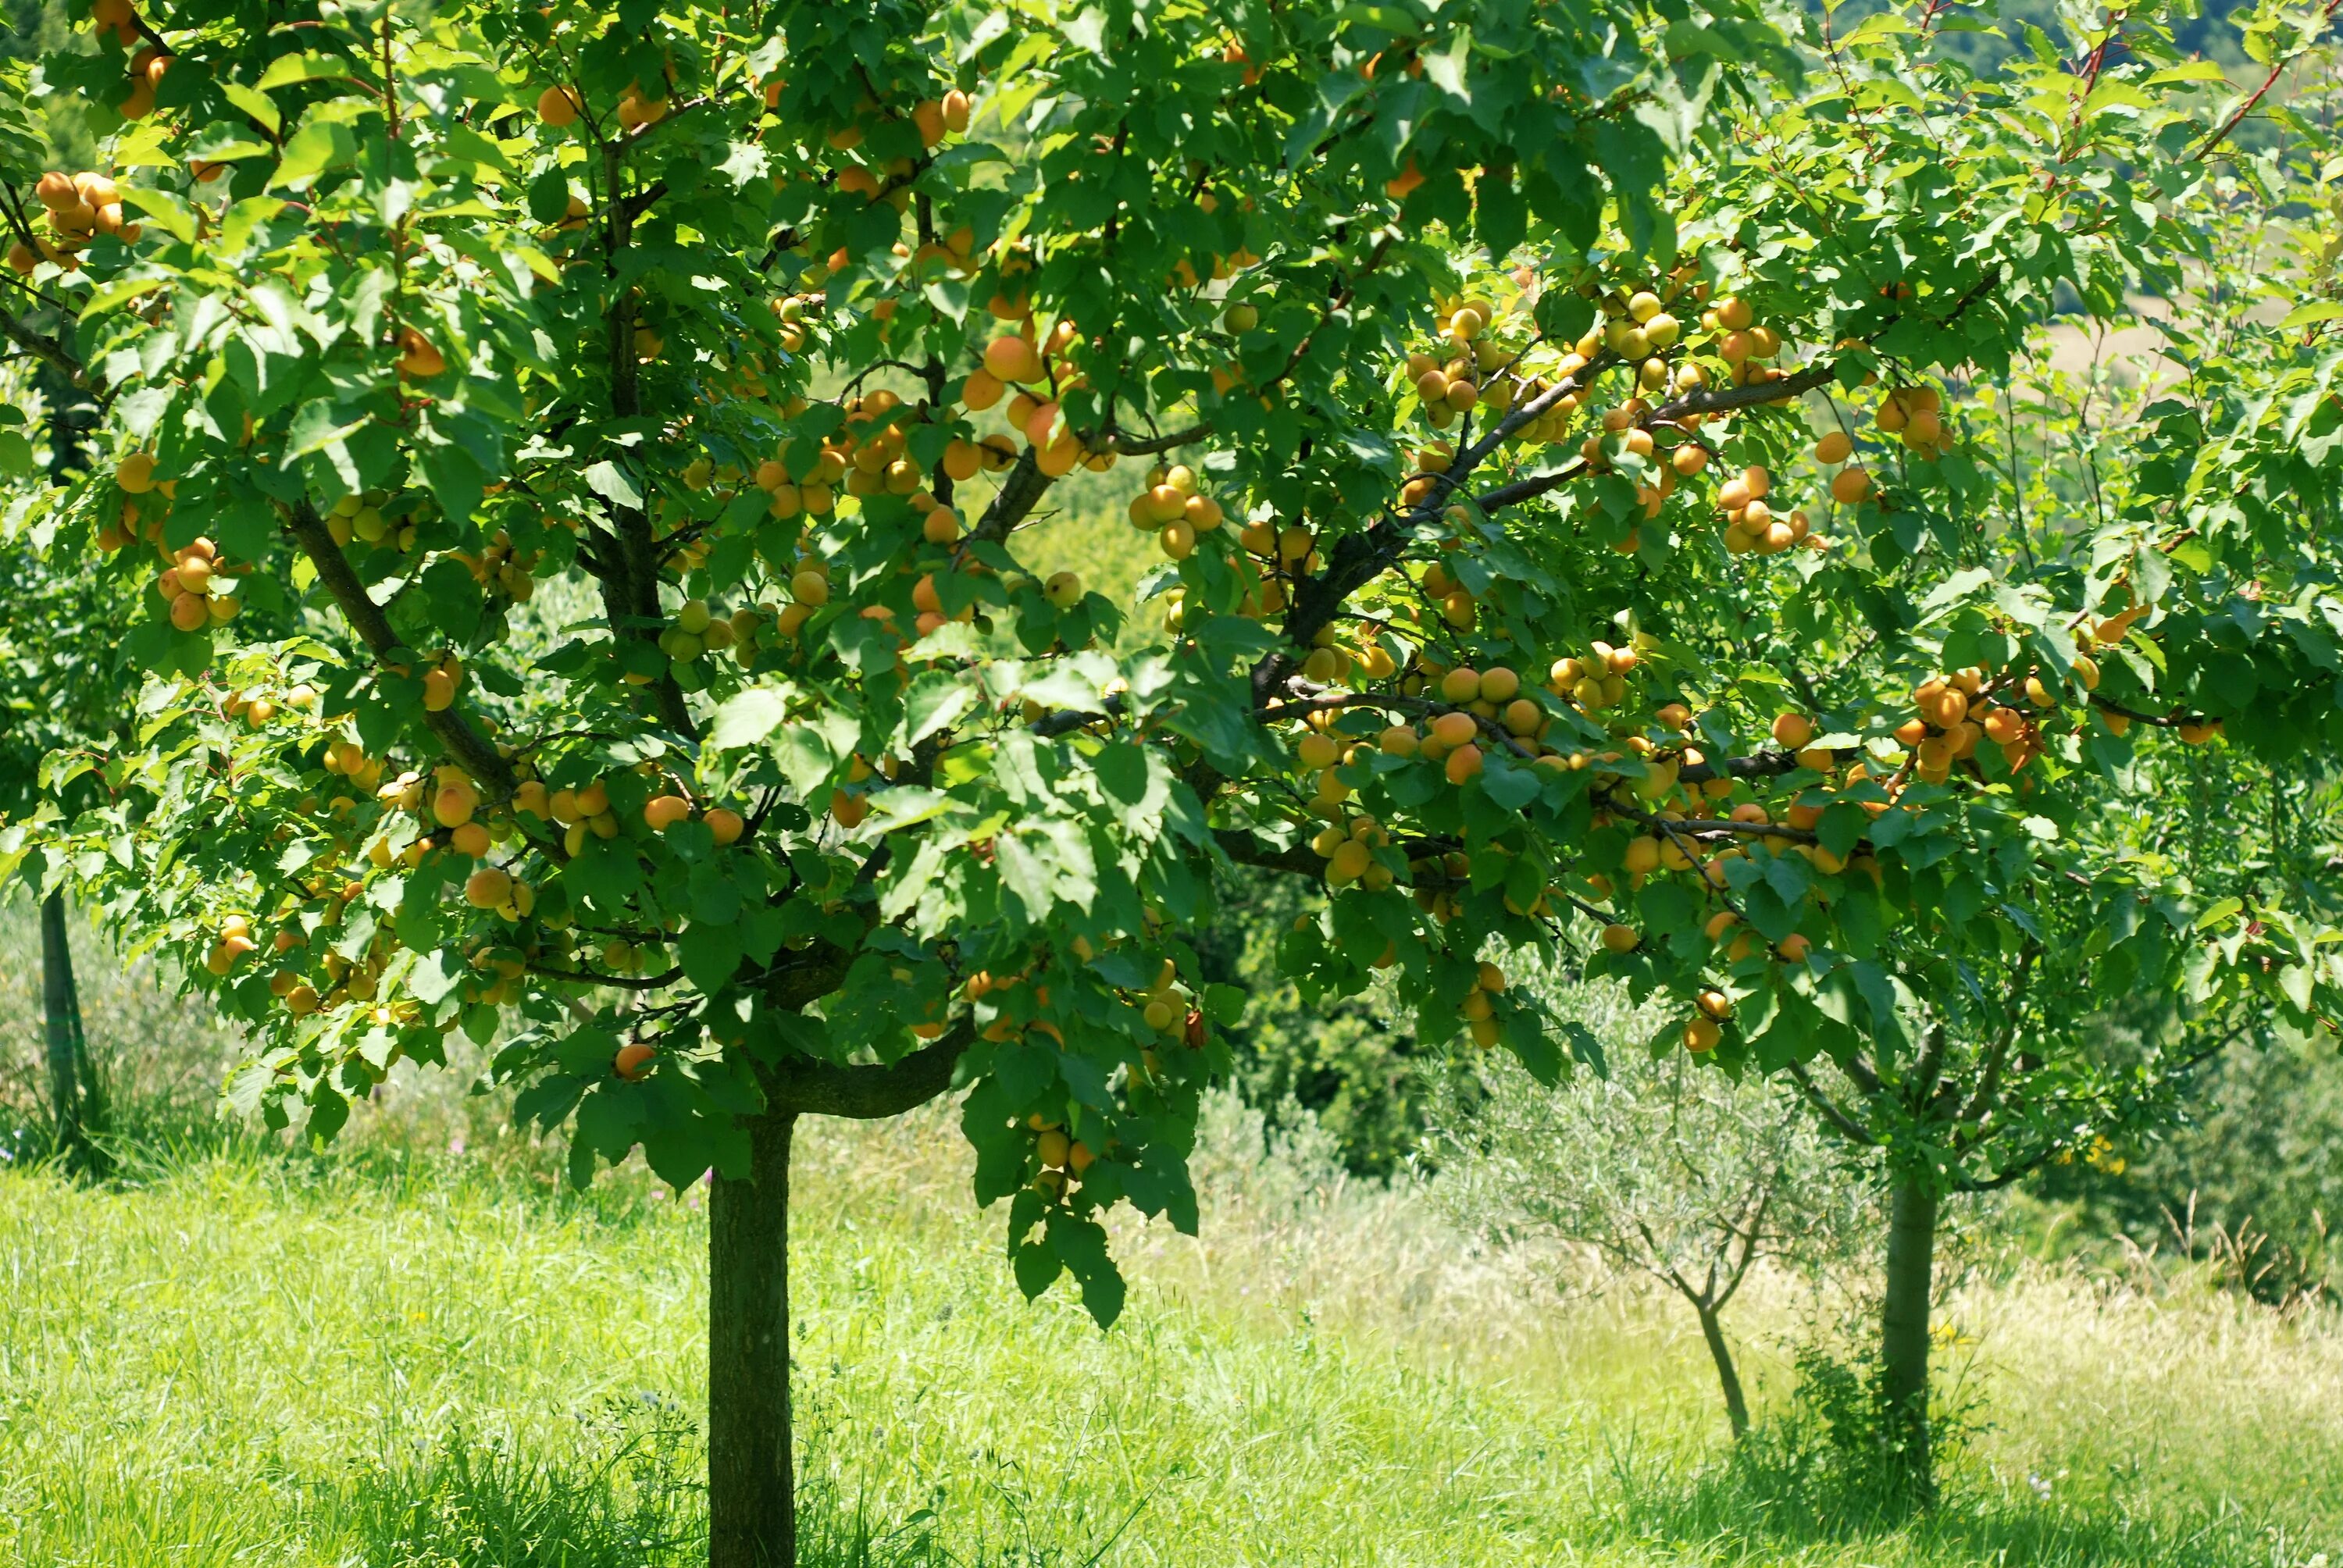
935,701
747,716
2219,914
256,104
2310,311
436,974
548,199
319,145
166,208
120,291
710,953
1509,786
2294,981
614,484
1445,69
287,69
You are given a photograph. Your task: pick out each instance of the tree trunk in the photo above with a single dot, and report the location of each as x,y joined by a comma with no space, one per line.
1736,1408
61,1008
752,1488
1903,1332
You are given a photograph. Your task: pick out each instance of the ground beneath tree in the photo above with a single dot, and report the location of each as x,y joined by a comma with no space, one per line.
397,1360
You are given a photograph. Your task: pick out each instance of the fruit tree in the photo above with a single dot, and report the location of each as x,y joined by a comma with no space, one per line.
1559,428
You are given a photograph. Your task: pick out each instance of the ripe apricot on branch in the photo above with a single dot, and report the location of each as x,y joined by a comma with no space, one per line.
1851,486
418,359
488,888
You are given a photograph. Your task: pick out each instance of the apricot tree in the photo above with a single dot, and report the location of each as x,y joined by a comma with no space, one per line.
636,408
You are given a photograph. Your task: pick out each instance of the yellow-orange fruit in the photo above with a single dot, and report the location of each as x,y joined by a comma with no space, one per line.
1792,731
1851,486
418,359
488,887
1454,730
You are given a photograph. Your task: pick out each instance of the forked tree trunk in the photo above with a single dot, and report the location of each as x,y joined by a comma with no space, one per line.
61,1016
1728,1378
1904,1334
751,1486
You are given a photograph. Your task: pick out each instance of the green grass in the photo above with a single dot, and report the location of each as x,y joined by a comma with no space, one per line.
398,1359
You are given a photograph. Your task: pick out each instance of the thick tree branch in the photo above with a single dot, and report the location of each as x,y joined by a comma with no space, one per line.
1725,399
1245,849
1760,765
47,350
1020,493
630,592
1150,446
802,1086
465,742
1845,1124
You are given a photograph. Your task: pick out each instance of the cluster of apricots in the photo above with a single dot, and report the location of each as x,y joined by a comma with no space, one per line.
1597,678
1751,524
500,565
145,502
256,707
636,109
1016,364
1172,510
1915,414
1958,711
77,208
1479,1008
697,630
379,518
193,586
1348,848
148,62
1062,1159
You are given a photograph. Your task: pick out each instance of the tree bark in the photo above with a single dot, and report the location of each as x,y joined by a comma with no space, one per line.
61,1009
1903,1332
751,1484
1736,1408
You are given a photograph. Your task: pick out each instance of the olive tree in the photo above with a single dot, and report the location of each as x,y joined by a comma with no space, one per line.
1655,1165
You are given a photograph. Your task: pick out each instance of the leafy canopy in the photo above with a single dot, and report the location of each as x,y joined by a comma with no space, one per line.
582,453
